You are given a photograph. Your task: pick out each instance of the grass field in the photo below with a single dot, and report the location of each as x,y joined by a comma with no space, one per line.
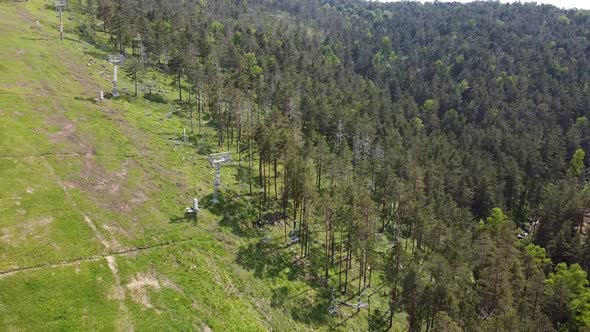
92,230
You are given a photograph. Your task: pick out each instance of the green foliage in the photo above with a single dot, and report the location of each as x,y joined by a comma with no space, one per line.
418,124
572,283
255,70
538,254
581,121
464,85
430,105
444,323
237,38
564,20
497,218
573,278
216,27
385,44
577,166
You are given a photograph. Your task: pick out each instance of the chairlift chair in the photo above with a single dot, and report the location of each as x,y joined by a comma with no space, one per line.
293,236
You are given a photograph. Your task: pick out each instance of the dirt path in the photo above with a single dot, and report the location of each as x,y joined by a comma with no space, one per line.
72,262
123,322
66,154
106,244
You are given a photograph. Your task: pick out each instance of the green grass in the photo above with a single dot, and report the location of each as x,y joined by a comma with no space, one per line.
206,294
41,224
73,298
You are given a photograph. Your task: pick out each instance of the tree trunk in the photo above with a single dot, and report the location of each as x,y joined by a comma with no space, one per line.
190,107
276,176
135,81
327,250
199,109
340,263
250,150
179,85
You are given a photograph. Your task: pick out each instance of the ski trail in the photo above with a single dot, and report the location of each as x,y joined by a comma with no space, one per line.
103,241
99,236
123,322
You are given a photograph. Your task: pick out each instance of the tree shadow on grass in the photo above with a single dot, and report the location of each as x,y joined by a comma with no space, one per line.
202,145
96,55
379,320
245,215
268,257
156,98
242,176
73,40
267,260
187,217
34,39
87,99
309,306
238,214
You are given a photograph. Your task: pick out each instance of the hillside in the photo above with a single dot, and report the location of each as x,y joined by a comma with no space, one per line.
395,166
92,230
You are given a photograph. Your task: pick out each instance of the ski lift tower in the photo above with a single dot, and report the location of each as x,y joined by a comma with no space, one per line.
59,6
116,60
217,160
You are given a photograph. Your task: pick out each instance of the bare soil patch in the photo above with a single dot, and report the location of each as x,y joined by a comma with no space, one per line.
111,190
33,228
140,283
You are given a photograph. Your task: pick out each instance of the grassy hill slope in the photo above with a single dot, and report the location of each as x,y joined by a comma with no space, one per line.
92,230
92,234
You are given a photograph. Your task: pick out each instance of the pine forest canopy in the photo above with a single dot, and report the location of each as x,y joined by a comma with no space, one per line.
447,128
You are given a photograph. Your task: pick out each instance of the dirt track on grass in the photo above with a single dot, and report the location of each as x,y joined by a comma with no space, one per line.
72,262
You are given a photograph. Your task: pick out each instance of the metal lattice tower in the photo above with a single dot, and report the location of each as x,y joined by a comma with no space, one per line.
116,60
217,160
335,304
59,6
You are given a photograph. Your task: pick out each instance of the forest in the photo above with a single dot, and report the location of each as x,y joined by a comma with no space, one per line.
438,150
